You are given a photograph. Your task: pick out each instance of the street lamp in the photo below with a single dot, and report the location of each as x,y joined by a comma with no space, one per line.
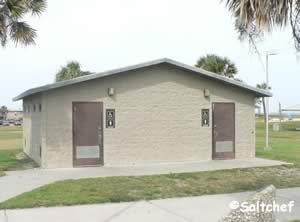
267,147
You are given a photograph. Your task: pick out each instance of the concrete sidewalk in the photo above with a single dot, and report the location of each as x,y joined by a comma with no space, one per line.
17,182
208,208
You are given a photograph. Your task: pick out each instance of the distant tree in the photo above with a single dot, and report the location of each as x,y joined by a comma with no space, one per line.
70,71
262,100
217,64
3,111
12,26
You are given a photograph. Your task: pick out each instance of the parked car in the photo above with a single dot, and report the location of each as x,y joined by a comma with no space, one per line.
11,121
1,121
18,123
5,123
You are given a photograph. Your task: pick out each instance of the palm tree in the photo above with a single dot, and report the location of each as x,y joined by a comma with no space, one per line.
217,64
12,26
262,101
70,71
3,111
254,17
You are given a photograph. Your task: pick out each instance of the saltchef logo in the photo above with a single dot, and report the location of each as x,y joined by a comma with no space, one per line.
261,206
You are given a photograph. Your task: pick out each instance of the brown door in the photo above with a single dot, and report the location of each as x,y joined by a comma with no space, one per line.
223,131
87,133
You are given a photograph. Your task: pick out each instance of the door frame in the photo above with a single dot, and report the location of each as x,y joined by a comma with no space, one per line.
101,146
213,128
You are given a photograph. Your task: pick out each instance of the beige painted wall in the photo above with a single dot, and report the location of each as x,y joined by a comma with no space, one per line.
32,127
158,117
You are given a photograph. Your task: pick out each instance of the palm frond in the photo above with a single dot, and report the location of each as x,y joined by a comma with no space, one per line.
15,9
37,6
217,64
70,71
254,17
21,32
11,26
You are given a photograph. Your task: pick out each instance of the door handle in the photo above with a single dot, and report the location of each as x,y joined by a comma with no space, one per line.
100,135
215,133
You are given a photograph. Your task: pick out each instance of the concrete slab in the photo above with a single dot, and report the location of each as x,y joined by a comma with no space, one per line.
2,216
209,208
284,196
17,182
91,213
147,212
205,208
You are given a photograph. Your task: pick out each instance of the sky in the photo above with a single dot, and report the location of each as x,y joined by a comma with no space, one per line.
104,35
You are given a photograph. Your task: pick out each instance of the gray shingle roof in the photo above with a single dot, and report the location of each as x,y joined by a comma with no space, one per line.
210,75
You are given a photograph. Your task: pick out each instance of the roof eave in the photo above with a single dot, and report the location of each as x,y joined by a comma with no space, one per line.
256,91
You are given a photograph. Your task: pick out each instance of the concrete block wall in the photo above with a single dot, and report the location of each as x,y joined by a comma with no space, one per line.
158,117
32,128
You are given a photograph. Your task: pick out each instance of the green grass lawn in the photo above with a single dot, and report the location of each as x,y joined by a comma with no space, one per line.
10,138
10,146
120,189
285,143
286,146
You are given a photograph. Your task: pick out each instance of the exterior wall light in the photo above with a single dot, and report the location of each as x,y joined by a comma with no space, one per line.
206,93
111,91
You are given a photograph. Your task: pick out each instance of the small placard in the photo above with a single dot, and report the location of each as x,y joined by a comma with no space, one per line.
110,118
205,117
87,152
224,146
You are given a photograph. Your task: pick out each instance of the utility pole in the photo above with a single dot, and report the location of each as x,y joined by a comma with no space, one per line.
267,147
280,116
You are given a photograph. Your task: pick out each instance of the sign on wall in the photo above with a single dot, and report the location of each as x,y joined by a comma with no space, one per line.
110,118
205,117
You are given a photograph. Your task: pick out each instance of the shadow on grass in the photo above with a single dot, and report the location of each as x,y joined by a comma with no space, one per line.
15,160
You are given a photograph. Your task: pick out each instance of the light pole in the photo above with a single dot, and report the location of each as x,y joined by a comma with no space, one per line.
267,147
